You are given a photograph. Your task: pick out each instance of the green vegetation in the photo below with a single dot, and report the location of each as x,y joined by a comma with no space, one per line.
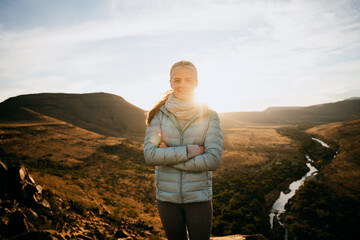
318,212
240,205
240,196
315,150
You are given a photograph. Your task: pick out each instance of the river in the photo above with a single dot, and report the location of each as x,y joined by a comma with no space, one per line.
279,205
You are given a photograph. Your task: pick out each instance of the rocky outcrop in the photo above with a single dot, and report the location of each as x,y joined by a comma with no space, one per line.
29,212
17,184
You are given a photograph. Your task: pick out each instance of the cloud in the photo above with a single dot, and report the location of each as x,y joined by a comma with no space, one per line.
260,48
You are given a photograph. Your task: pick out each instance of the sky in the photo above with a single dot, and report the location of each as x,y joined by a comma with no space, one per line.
250,54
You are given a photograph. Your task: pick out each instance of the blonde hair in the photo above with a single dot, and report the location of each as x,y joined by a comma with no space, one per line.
182,63
157,107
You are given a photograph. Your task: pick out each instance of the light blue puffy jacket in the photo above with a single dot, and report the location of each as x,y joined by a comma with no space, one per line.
179,179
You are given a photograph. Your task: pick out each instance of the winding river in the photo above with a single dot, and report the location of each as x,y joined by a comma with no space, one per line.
279,205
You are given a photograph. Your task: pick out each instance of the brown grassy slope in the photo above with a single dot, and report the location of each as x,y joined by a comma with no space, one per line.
76,164
104,113
107,171
343,173
253,144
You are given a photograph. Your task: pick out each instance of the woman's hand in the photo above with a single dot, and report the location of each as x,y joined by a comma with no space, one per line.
162,145
194,150
202,150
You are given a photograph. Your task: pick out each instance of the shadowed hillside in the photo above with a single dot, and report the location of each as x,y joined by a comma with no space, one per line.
102,113
328,207
317,114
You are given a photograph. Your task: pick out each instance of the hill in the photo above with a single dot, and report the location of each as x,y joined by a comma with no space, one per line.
346,166
111,115
328,206
103,113
95,172
348,109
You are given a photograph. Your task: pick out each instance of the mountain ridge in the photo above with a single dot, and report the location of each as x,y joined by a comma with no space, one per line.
104,113
315,114
111,115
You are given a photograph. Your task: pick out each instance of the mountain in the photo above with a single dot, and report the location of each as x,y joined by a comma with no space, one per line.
102,113
111,115
348,109
352,98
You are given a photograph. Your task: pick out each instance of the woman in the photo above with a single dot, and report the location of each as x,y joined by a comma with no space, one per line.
184,142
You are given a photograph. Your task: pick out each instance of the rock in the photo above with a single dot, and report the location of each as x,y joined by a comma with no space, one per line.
81,236
3,182
22,173
3,168
287,191
120,234
27,191
30,179
17,223
17,183
45,204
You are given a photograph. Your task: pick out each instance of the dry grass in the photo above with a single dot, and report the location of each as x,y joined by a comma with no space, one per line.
117,181
254,144
110,181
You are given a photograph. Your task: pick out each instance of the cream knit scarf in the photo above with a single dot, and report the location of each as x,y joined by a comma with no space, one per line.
182,109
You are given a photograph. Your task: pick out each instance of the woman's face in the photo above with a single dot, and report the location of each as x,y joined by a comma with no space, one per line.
183,82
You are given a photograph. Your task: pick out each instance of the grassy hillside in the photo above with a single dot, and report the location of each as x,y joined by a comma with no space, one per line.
102,113
97,171
328,206
101,172
342,171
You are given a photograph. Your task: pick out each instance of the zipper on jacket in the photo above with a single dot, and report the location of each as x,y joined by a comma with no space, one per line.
181,172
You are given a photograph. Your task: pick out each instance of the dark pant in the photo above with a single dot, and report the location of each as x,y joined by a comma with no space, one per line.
196,216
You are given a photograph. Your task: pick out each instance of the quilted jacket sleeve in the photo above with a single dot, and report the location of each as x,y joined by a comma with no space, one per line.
161,156
210,160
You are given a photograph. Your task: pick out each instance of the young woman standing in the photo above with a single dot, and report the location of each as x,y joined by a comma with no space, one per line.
184,142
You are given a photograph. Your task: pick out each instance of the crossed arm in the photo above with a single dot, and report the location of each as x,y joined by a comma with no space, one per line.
188,158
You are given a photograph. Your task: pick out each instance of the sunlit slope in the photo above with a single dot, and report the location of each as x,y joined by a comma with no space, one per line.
344,171
315,114
102,113
78,165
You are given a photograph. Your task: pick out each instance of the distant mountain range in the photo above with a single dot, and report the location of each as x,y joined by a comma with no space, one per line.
348,109
112,115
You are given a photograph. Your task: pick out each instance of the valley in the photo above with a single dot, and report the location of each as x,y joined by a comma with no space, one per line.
99,167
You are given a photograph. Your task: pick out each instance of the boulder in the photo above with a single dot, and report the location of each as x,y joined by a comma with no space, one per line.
17,223
16,183
120,234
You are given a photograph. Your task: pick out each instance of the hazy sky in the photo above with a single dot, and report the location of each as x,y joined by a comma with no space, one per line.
250,54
